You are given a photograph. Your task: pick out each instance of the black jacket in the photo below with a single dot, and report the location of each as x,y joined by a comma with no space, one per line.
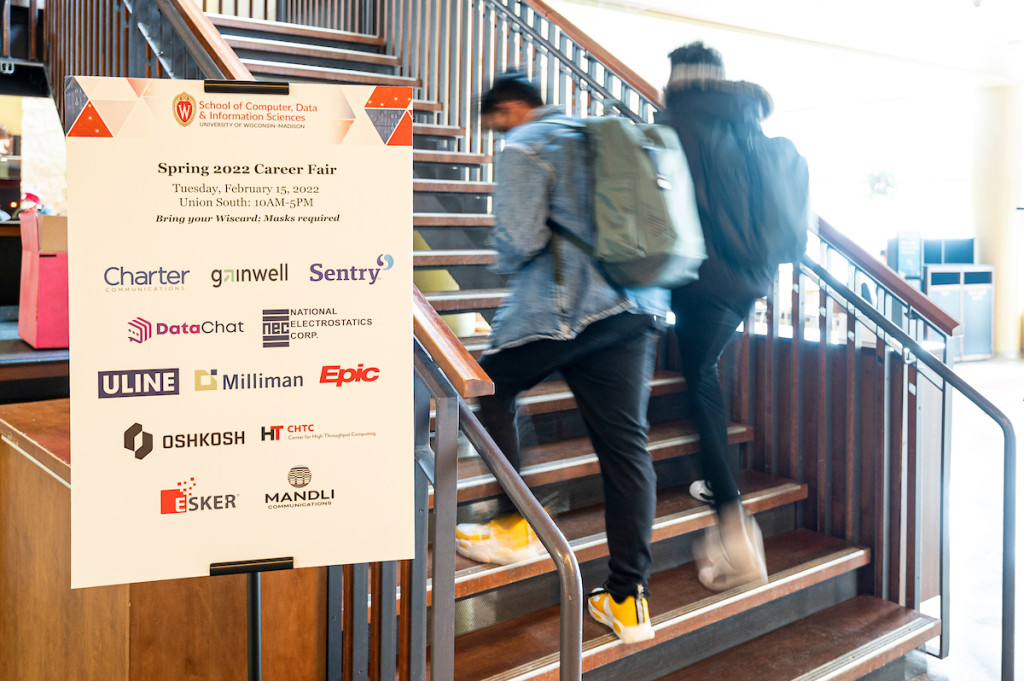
705,115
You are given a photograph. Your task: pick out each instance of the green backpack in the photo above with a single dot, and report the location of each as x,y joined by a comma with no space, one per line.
647,230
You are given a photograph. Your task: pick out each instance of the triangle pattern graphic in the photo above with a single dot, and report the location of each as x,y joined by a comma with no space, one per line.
75,100
341,129
114,114
138,84
389,97
402,136
89,124
385,121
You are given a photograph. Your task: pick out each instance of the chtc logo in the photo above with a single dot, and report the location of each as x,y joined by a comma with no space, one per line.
184,108
300,476
338,376
140,446
273,433
139,330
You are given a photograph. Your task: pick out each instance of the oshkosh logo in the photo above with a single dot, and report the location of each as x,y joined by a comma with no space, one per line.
138,441
338,376
184,108
138,383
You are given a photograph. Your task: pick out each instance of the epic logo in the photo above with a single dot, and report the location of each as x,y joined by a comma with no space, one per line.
338,376
138,383
184,108
140,448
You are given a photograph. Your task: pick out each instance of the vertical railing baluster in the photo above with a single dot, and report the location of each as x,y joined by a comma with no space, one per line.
796,417
442,593
945,500
883,508
914,489
852,430
335,612
897,454
356,628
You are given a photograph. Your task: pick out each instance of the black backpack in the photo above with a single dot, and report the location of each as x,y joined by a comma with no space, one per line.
758,191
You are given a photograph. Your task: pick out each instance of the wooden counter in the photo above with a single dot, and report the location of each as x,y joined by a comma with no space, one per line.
180,630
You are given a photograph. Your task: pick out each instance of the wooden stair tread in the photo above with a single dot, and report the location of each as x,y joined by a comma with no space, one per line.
676,514
439,258
222,21
680,605
845,641
427,105
452,186
450,157
575,458
306,50
325,73
452,219
437,130
471,299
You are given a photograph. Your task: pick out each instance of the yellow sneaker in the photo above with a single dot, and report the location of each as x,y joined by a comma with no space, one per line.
630,619
505,540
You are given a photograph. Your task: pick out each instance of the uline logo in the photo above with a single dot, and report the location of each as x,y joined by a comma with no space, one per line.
210,380
299,478
181,500
141,330
138,441
184,108
338,376
242,276
273,433
138,383
275,328
317,271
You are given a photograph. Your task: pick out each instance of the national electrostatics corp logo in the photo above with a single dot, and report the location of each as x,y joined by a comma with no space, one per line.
184,108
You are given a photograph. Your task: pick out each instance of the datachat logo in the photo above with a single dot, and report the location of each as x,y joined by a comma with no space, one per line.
141,443
138,383
352,273
299,477
338,376
141,330
181,500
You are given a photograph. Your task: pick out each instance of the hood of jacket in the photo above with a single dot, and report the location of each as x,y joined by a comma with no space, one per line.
731,99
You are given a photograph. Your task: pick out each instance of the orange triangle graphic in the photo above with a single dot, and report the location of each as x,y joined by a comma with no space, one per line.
390,97
138,84
89,124
402,136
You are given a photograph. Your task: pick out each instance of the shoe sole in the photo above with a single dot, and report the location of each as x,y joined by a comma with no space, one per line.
488,554
636,634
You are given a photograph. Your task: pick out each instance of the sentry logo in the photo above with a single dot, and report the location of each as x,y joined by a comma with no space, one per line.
138,441
338,376
139,330
317,271
275,328
138,383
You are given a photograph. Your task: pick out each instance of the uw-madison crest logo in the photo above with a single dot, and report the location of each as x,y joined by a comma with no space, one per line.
184,108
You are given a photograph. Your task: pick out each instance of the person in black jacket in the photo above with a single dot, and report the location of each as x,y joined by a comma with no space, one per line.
706,111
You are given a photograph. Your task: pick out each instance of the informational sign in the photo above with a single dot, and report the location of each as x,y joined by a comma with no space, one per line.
240,271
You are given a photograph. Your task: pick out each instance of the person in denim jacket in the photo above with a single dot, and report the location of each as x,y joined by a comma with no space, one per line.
563,315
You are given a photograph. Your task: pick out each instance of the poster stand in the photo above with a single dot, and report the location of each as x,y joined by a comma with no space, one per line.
252,570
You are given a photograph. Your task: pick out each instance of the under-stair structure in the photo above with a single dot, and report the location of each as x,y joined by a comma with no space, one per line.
839,415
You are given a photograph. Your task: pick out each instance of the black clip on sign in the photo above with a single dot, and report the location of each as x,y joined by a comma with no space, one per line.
246,87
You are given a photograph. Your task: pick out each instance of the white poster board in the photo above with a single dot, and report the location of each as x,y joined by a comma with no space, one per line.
240,275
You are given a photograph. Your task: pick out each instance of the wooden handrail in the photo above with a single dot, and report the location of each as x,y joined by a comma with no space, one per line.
628,75
465,375
880,272
211,40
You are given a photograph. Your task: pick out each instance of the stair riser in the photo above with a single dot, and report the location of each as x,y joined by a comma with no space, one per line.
348,64
445,171
450,202
714,638
469,277
435,142
520,598
449,238
307,40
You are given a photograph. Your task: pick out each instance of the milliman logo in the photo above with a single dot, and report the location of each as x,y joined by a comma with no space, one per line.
184,108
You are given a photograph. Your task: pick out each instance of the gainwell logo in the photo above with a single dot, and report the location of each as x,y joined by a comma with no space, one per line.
246,275
299,477
141,330
138,383
181,500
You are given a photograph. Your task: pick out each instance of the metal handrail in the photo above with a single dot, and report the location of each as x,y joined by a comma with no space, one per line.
914,352
557,546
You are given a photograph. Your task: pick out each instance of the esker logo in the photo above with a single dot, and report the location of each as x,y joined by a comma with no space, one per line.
138,383
338,376
133,443
273,433
181,500
184,108
139,330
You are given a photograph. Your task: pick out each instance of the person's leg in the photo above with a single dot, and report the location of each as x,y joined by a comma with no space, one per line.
611,384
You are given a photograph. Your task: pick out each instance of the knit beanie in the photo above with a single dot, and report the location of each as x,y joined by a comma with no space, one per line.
694,64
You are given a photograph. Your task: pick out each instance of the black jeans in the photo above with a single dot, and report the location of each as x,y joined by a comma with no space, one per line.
704,325
608,367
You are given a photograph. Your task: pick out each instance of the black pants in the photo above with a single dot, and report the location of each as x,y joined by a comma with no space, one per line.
704,325
607,367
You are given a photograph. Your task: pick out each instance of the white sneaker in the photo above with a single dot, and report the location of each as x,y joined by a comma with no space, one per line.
701,491
725,562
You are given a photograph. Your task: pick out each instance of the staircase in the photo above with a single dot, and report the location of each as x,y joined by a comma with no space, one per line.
812,620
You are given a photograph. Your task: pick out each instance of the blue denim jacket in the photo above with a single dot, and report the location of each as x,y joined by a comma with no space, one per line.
543,170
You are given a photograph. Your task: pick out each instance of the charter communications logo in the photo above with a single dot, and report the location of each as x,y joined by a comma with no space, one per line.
181,500
138,383
141,330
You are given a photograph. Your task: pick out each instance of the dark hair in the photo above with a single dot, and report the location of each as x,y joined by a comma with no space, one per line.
511,86
696,53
